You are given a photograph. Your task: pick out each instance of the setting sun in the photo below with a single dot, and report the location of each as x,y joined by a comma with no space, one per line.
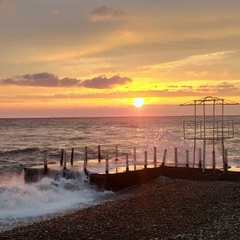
138,102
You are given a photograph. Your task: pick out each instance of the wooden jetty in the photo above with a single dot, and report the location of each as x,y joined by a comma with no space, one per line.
116,178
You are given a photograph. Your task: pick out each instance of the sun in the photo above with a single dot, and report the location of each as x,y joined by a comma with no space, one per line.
138,102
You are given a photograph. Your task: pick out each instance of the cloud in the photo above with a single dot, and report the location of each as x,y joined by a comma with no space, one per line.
40,80
50,80
102,14
227,88
103,82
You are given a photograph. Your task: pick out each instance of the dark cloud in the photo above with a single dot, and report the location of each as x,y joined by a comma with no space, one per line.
105,14
40,80
227,88
50,80
207,88
103,82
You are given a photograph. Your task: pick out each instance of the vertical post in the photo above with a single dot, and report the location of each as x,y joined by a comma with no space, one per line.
226,160
187,158
164,157
99,153
204,136
155,156
107,165
135,157
45,160
116,151
85,161
72,155
195,133
200,157
175,157
213,161
61,159
223,147
145,158
214,137
127,163
65,161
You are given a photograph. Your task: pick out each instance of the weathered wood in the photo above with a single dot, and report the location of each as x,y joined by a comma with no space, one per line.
107,165
85,160
164,157
187,158
176,156
65,160
116,153
61,159
200,157
226,160
45,160
99,153
135,157
155,156
213,161
72,156
145,159
127,163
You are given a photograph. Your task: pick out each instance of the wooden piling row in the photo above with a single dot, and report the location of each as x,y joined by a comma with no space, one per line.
63,159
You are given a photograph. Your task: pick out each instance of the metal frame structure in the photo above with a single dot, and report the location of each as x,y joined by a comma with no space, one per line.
209,127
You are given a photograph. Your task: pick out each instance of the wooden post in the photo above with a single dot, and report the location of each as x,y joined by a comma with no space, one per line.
175,157
116,151
200,157
187,158
85,161
145,162
72,155
99,153
107,165
61,160
155,156
65,161
127,163
135,154
225,160
45,160
213,161
164,157
86,154
135,157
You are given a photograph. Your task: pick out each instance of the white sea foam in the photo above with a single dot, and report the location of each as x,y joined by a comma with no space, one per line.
21,203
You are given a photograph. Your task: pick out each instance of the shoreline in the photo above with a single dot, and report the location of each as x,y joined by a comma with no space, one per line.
174,209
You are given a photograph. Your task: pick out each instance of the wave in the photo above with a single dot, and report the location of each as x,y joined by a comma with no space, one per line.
21,203
23,150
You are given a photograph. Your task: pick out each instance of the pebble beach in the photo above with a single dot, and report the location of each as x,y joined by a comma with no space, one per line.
169,209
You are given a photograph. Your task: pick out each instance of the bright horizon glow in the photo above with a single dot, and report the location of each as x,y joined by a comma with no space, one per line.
124,51
138,102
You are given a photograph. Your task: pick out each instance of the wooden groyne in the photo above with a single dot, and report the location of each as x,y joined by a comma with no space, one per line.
115,176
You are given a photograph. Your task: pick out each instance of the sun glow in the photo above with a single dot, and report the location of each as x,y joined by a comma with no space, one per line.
138,102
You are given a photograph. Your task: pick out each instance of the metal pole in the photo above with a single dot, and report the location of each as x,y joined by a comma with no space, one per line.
204,136
195,133
223,151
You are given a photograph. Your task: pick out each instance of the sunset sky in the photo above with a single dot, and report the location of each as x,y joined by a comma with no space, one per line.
77,58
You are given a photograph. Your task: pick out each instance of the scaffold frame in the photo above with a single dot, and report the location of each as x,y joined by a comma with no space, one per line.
209,126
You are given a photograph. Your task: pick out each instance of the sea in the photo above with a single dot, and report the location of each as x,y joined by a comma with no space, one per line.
27,143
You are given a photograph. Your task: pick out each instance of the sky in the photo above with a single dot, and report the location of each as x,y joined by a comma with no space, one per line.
90,58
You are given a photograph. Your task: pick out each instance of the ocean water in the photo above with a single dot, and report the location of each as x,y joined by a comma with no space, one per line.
24,141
